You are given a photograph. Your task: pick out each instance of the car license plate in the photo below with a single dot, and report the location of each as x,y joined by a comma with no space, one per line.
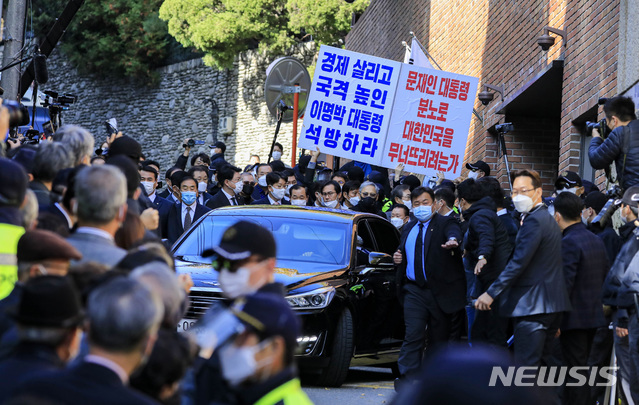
186,325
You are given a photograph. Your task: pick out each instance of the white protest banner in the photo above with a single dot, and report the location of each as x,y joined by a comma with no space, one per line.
349,105
430,121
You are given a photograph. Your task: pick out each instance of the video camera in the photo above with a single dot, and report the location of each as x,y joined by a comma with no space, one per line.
191,143
58,101
505,127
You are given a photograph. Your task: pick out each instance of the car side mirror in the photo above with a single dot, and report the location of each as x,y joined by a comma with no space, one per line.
379,258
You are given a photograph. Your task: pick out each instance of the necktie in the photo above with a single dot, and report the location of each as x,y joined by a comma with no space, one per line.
233,201
420,279
187,219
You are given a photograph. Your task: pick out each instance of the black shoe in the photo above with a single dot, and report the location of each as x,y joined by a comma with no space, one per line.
399,384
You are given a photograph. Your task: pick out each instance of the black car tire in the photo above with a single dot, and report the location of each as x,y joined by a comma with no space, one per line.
335,373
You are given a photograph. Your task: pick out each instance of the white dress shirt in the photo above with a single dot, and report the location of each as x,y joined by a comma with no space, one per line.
273,202
229,196
192,213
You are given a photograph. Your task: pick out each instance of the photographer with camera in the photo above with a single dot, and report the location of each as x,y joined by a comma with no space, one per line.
201,159
622,145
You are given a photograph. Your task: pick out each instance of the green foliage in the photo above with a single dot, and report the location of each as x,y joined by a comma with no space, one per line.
223,28
120,37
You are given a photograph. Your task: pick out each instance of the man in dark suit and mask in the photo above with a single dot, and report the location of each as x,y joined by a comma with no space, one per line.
431,278
532,288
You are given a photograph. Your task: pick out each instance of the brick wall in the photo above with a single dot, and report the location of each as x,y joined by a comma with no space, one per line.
590,71
496,40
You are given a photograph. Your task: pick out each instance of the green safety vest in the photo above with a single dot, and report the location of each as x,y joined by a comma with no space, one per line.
289,393
387,205
9,236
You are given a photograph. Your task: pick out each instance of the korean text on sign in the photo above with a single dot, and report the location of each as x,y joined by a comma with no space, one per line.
349,106
430,121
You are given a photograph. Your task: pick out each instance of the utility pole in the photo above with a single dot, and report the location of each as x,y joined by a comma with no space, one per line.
13,43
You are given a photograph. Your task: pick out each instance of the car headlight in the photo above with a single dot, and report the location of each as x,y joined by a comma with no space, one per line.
316,299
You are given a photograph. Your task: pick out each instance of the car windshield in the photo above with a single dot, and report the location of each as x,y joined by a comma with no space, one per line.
297,239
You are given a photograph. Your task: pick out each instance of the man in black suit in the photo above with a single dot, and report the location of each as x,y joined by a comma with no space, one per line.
276,191
182,215
149,180
261,188
229,177
166,193
431,279
490,186
585,268
487,250
201,175
532,287
49,318
123,318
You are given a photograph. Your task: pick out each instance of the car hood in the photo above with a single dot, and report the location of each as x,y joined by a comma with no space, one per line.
295,276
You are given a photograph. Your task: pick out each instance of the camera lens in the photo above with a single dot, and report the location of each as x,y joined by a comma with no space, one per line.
18,114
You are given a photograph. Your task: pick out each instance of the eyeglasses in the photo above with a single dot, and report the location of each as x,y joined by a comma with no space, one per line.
515,193
329,194
364,195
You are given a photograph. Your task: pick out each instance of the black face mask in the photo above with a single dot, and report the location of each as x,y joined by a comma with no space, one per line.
367,203
248,189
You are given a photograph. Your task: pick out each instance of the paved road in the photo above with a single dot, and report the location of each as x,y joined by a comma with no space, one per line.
364,385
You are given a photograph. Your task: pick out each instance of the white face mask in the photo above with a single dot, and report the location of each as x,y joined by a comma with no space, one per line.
288,189
408,203
354,201
569,190
398,222
238,187
277,155
201,187
149,187
278,193
239,364
235,284
472,175
262,181
329,204
523,203
300,203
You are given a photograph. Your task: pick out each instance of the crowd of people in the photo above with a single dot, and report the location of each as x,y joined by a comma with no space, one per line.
90,300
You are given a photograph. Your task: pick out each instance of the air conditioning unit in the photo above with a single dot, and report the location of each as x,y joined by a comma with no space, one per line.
225,126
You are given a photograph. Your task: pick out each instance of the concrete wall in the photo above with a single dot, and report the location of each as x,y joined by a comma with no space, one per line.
160,117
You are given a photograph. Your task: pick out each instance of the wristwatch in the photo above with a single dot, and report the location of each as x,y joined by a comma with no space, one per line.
481,257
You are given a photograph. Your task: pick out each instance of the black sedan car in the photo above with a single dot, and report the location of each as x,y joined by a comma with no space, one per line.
338,272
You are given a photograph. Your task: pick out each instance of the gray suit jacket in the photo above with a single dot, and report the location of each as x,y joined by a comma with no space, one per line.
95,248
533,281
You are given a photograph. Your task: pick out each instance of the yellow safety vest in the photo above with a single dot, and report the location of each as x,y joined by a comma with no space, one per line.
9,236
290,393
